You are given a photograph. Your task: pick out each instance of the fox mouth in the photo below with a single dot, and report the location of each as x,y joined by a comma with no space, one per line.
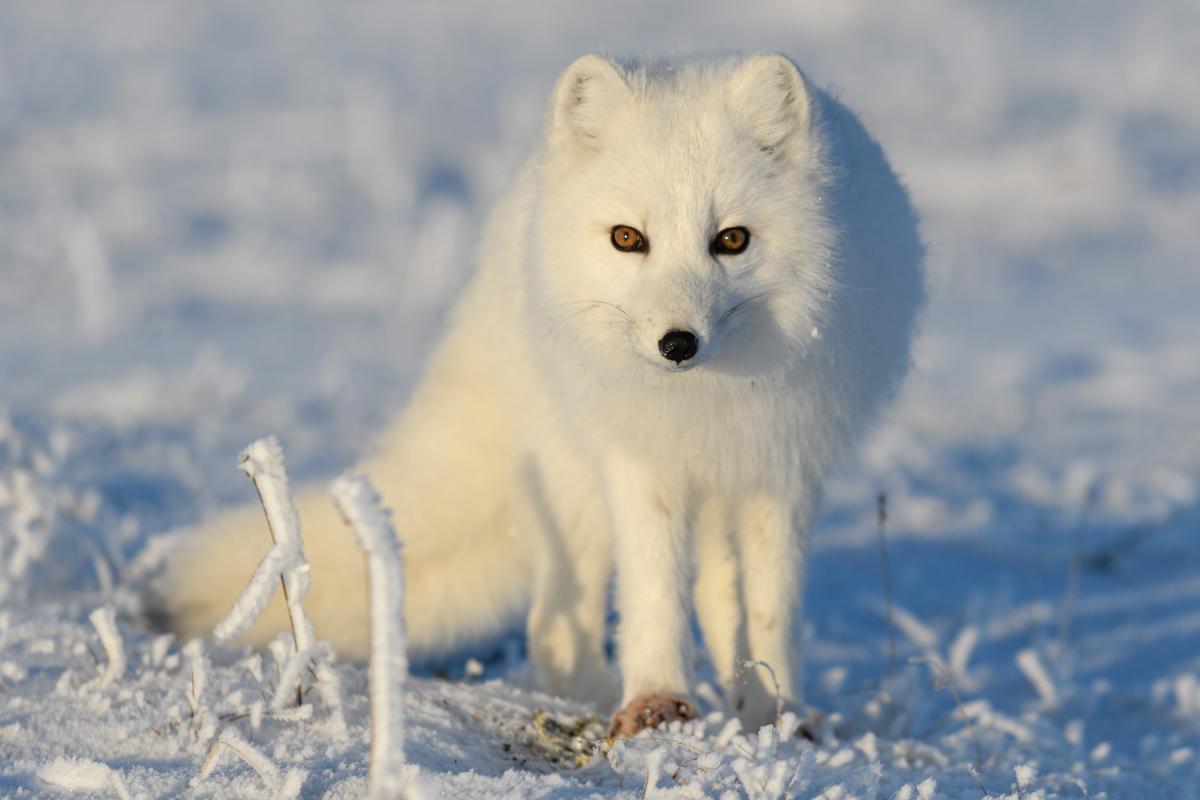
690,364
671,369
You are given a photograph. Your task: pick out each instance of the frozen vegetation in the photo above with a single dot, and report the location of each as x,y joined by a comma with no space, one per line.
359,505
224,220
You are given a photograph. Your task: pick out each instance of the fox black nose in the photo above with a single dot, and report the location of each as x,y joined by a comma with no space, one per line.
678,346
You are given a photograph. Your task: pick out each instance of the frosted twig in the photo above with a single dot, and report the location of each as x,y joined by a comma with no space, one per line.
1033,669
294,714
915,630
359,506
262,461
329,687
110,639
291,676
1071,593
1081,786
88,259
291,784
199,680
974,773
944,678
204,725
885,569
960,654
253,600
746,665
1026,774
33,514
1104,558
285,788
653,761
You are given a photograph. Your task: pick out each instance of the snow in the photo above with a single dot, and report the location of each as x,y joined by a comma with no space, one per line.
223,220
74,775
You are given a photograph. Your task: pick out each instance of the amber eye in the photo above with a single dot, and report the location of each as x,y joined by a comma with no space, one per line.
731,241
628,240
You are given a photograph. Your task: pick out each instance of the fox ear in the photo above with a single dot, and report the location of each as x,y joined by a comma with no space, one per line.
769,92
586,95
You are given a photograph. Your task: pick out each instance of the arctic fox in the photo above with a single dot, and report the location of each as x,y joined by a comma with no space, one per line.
697,292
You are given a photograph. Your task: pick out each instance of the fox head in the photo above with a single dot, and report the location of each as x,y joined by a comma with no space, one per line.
679,219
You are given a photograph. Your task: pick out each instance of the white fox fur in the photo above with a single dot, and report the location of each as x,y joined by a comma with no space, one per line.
550,445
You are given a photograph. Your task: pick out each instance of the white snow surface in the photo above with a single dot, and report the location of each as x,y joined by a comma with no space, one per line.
222,220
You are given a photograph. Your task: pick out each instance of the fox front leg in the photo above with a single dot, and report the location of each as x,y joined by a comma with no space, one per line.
572,566
647,511
718,596
772,537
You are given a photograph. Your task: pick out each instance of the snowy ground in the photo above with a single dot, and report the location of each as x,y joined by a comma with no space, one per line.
220,220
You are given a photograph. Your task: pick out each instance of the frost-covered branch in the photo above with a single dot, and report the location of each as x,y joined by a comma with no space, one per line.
942,678
360,507
329,688
263,462
203,722
285,788
1031,666
254,598
886,574
745,665
110,639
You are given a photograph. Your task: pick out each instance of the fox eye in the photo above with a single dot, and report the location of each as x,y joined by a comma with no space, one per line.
628,240
730,241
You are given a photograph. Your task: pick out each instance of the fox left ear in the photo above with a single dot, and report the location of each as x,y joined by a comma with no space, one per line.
587,95
770,93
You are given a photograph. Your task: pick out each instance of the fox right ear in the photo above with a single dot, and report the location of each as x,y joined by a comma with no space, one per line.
771,95
586,95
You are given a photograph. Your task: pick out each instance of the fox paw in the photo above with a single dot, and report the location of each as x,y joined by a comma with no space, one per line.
647,712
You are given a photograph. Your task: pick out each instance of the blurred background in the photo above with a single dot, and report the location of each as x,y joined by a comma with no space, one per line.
224,219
